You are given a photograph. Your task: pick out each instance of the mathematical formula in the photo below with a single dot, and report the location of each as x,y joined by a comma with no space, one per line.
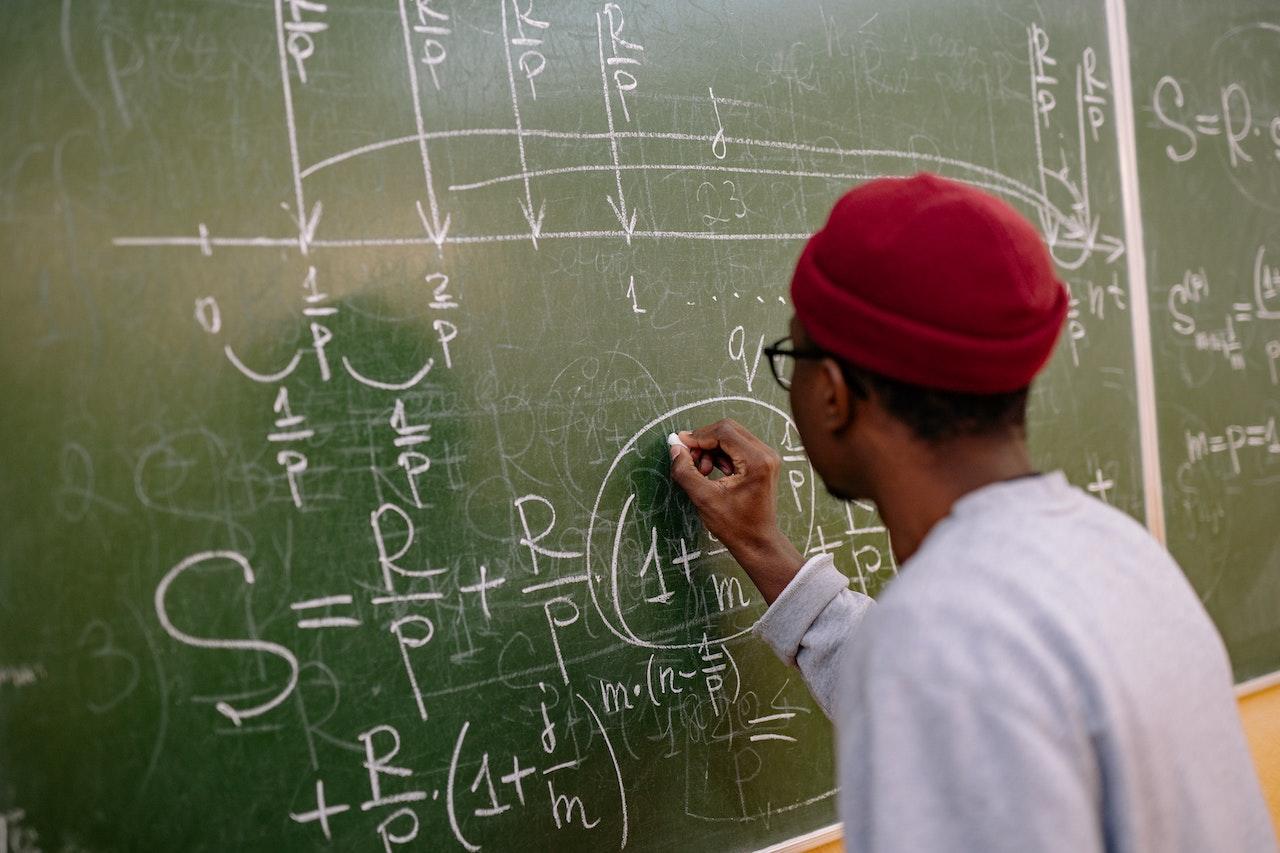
435,587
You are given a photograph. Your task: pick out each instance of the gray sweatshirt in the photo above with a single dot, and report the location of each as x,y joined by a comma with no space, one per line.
1040,677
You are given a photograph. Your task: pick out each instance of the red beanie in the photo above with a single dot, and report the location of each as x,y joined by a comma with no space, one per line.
930,281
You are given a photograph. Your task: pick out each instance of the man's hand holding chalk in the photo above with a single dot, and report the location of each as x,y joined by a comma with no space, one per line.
704,461
738,508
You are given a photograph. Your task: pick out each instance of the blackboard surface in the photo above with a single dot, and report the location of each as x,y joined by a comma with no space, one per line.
339,344
1207,99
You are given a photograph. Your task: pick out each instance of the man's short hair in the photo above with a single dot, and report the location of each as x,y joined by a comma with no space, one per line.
935,415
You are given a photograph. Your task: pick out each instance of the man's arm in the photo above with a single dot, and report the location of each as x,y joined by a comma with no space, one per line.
811,626
812,613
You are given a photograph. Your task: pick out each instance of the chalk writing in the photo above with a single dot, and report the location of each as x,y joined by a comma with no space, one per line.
460,588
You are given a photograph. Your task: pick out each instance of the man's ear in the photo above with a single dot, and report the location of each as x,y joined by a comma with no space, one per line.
835,396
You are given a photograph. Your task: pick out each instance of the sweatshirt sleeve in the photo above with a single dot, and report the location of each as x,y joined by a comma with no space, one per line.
811,624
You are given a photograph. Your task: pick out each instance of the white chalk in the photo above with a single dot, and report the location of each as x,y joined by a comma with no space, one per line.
673,440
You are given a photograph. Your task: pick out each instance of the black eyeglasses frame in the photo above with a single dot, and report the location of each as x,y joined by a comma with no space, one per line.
777,351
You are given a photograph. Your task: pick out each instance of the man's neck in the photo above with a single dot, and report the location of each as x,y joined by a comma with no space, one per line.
911,498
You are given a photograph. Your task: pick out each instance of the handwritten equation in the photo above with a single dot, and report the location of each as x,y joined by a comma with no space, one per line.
416,566
635,570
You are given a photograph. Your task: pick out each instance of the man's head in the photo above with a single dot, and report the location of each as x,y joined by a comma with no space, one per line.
924,308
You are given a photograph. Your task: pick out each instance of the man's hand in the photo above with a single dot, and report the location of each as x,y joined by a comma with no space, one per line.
738,508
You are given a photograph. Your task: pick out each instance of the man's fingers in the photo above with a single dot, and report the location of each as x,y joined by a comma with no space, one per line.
686,474
729,440
707,460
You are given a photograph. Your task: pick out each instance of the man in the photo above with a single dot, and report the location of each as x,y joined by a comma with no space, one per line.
1040,676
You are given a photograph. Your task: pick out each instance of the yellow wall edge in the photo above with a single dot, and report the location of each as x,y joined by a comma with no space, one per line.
1260,713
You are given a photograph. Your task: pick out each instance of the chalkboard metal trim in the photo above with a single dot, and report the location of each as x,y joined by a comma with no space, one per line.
808,841
1257,685
1136,266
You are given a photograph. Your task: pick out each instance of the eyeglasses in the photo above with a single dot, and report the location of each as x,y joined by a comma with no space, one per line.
781,354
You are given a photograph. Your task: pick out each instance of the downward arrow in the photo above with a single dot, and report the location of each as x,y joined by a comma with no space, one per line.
309,223
1077,225
535,222
620,211
1076,230
306,224
436,230
1050,221
1060,228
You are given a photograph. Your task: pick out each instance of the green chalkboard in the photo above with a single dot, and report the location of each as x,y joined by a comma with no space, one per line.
339,344
1207,104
